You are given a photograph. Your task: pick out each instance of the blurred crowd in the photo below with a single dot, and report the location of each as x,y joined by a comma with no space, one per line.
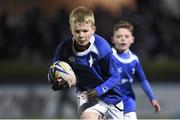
33,36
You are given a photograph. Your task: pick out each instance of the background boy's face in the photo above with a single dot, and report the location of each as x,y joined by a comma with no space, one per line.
82,32
122,39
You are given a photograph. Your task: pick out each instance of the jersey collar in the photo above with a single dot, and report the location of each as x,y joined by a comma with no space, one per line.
92,39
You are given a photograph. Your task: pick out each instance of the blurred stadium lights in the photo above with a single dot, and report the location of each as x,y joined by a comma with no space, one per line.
50,6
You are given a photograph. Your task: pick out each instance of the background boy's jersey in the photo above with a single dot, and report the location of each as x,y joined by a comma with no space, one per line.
93,67
130,68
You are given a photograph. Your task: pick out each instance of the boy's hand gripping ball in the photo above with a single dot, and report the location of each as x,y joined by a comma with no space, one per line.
62,73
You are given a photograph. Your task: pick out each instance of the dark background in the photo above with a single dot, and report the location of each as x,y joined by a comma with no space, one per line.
30,30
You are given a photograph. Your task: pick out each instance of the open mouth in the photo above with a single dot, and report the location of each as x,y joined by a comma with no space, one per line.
123,44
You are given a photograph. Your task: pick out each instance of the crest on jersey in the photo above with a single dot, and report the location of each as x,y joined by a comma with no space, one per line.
90,61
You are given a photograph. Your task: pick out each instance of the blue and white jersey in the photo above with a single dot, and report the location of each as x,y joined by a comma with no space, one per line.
93,67
130,69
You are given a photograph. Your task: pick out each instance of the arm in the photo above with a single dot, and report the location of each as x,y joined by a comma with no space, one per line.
113,79
146,86
109,72
113,76
60,83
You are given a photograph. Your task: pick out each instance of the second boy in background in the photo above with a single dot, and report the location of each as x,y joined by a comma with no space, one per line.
130,68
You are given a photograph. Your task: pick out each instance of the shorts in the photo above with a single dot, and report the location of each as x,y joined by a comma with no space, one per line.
106,111
130,116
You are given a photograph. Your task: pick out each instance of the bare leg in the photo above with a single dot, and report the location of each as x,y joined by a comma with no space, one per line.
90,115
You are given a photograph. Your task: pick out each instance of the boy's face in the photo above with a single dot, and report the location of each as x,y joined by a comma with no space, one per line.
122,39
82,32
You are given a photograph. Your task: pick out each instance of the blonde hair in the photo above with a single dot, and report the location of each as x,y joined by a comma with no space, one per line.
82,14
123,24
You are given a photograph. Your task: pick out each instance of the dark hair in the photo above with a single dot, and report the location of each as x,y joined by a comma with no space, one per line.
123,24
